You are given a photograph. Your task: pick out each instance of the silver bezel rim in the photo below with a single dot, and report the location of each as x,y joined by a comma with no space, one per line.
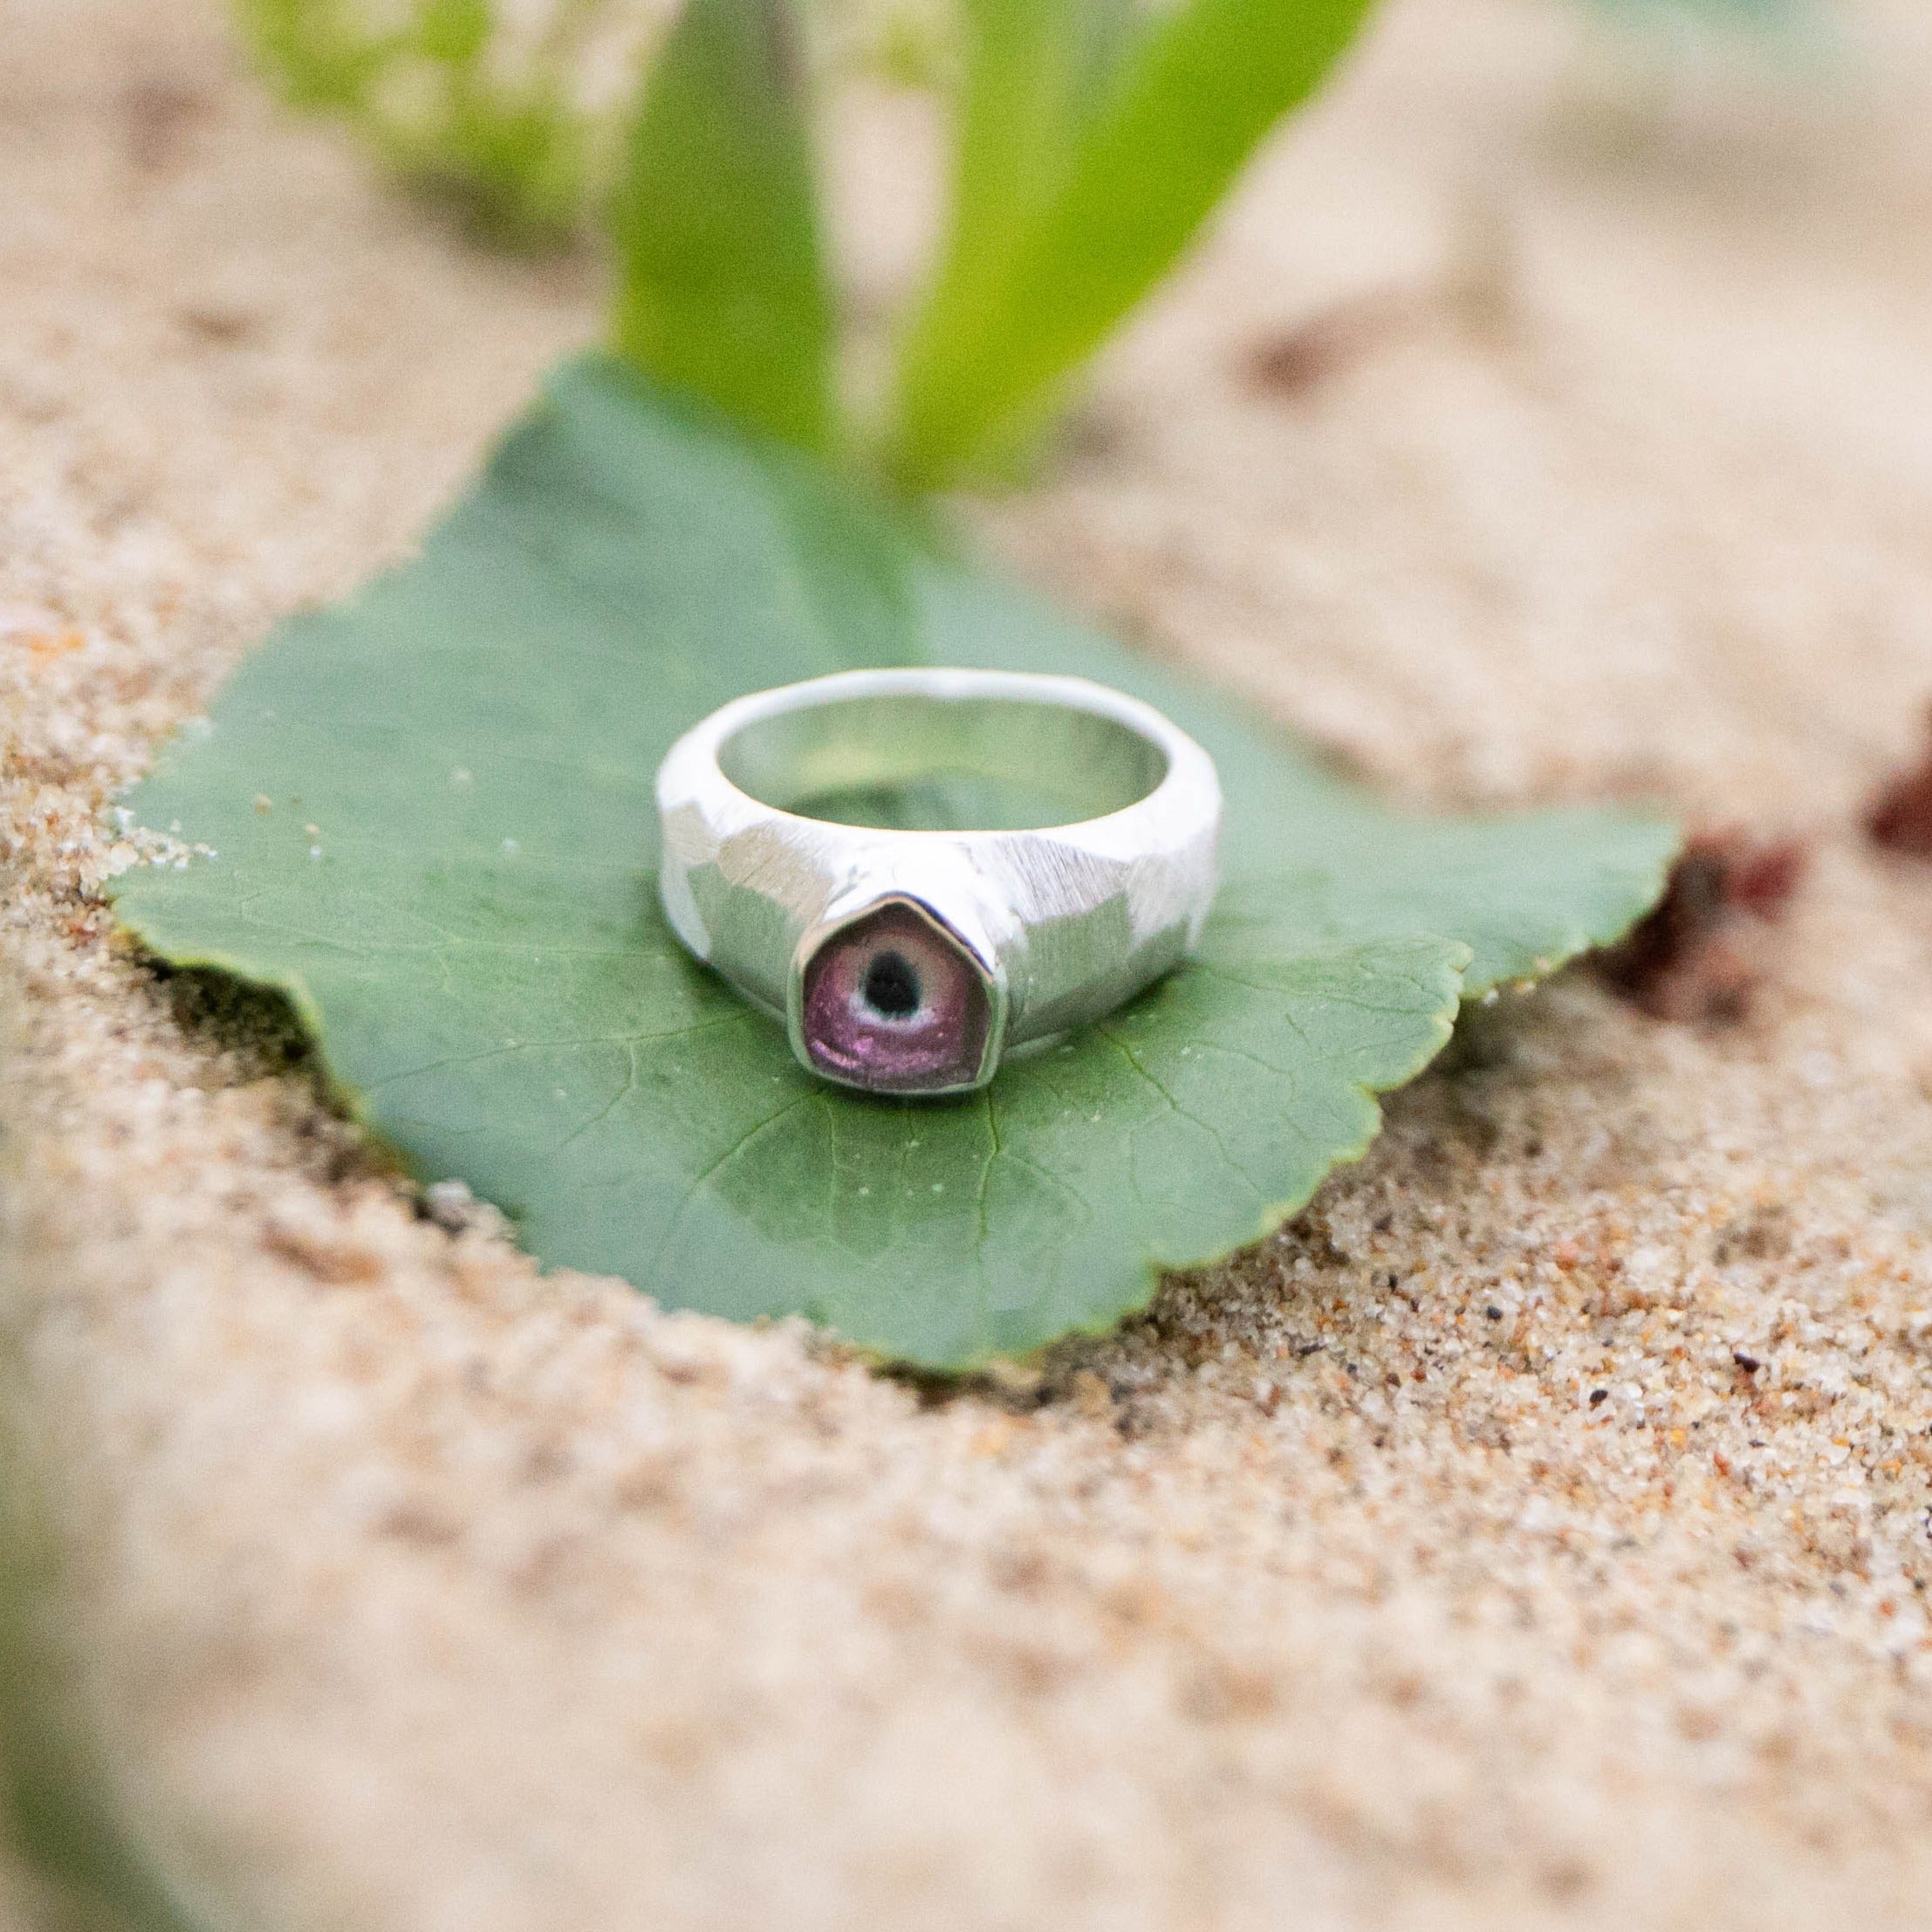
827,929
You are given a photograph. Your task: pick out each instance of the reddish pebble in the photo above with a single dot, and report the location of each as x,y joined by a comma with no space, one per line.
1900,817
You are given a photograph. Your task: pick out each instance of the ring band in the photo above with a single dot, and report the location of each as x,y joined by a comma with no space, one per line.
813,856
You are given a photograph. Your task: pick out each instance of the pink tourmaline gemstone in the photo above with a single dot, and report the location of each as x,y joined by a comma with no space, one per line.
893,1003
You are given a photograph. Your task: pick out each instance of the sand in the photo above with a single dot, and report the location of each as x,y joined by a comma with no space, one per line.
1535,1534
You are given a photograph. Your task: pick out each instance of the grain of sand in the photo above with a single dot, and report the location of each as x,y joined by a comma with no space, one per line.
1535,1534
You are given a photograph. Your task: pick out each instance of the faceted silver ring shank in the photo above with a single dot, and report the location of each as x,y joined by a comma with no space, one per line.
913,958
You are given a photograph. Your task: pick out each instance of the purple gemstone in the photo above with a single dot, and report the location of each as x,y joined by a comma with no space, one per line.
895,1003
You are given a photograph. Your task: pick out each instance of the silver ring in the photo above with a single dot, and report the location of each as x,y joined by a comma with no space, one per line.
810,858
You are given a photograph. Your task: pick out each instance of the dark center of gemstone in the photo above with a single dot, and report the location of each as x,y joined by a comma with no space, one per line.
890,986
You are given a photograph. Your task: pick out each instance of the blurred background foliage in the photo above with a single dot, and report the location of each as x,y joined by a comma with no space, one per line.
1089,141
515,110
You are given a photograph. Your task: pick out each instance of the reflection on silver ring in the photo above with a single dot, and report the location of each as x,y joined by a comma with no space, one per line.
921,872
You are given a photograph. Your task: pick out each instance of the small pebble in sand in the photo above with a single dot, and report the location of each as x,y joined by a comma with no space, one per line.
1900,817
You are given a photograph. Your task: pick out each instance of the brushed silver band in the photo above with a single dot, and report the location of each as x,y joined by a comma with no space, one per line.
912,960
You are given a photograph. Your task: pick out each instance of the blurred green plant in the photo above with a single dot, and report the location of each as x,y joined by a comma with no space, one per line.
1090,145
723,287
434,94
516,113
1090,139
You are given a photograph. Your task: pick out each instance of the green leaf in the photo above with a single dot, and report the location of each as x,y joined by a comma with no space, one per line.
1033,68
431,819
1179,114
721,281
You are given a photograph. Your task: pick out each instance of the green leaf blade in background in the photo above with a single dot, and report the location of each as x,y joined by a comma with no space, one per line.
432,820
1182,110
722,282
1034,68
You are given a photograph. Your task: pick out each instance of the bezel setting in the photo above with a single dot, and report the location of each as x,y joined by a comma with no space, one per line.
971,1069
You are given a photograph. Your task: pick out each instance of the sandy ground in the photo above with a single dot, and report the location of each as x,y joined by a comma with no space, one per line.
1535,1534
